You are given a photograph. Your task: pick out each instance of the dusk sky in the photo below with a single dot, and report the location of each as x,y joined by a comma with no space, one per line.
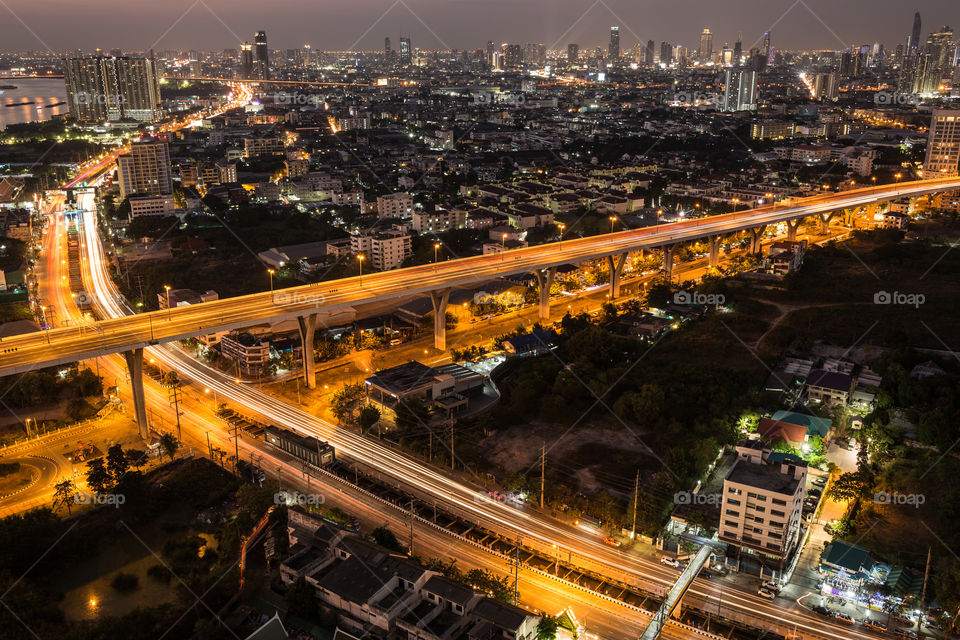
362,24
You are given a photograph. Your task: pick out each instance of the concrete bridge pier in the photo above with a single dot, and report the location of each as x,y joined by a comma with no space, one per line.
668,263
792,226
714,254
308,329
545,279
825,219
134,360
440,300
615,263
756,239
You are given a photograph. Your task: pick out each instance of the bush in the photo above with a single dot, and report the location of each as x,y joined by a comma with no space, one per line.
159,573
125,582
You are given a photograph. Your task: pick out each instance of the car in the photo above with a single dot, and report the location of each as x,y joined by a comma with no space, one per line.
613,542
876,625
770,585
844,618
814,493
670,562
905,633
763,593
820,480
822,610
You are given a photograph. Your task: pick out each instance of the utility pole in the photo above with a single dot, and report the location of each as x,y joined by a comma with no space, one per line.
411,526
543,471
636,496
174,396
452,455
923,592
516,573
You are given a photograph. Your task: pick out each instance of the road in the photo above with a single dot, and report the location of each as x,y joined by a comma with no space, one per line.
117,334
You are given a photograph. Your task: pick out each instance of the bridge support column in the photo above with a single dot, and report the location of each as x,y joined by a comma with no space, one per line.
714,254
545,279
615,263
825,219
440,300
134,360
668,263
756,239
308,329
792,226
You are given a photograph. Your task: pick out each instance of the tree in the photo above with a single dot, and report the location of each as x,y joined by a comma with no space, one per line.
136,457
98,478
301,598
117,463
369,415
63,494
169,445
849,486
385,538
547,628
412,413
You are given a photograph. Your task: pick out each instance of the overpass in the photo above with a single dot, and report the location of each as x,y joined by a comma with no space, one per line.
308,304
256,81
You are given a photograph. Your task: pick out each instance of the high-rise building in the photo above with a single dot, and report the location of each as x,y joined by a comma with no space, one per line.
246,60
534,53
943,144
913,42
825,86
666,53
705,52
648,52
740,90
406,51
767,48
145,170
387,48
738,51
573,53
613,50
512,55
261,55
101,88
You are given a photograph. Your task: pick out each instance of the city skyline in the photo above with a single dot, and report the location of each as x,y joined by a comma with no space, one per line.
215,25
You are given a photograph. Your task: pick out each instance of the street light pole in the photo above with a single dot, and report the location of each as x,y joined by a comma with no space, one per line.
167,288
360,260
436,248
270,271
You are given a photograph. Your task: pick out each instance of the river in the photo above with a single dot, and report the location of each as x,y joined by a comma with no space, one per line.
41,91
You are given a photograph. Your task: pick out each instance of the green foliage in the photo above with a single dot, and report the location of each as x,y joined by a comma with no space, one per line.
169,445
369,415
301,598
98,478
117,463
547,628
385,538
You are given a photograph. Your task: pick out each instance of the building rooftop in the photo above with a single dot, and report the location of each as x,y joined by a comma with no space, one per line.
829,380
763,476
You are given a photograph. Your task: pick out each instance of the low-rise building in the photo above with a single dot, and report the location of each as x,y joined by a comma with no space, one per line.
829,387
182,297
395,205
151,206
248,351
445,384
438,220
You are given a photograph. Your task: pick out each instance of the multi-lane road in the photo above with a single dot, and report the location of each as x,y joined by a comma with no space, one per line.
24,353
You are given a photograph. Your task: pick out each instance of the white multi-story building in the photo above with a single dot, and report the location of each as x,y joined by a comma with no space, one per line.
265,146
943,144
151,206
383,250
762,504
145,170
438,220
395,205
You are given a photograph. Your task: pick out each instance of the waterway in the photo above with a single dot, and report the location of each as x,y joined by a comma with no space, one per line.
40,91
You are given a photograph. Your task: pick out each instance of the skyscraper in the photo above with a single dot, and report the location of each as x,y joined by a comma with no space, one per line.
101,88
406,51
740,90
825,86
767,48
913,42
512,55
706,46
387,48
943,144
573,53
246,60
738,51
262,55
145,170
666,53
648,52
614,48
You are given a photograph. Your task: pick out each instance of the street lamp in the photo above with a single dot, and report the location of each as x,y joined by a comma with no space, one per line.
167,288
360,258
216,401
898,176
271,272
613,221
561,227
503,246
436,248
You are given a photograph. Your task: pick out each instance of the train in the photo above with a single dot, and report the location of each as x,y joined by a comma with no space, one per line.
306,448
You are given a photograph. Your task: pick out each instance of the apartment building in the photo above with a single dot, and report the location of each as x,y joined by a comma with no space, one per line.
262,146
395,205
383,249
762,504
438,220
248,351
943,144
145,170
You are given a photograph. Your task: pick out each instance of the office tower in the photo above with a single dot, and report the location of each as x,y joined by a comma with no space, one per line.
117,53
145,170
943,144
534,53
705,52
847,64
246,60
738,51
406,51
387,48
913,42
825,86
740,90
573,53
767,49
613,50
648,52
512,55
666,53
262,55
726,55
112,89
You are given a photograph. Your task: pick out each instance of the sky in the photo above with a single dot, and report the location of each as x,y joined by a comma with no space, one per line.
134,25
